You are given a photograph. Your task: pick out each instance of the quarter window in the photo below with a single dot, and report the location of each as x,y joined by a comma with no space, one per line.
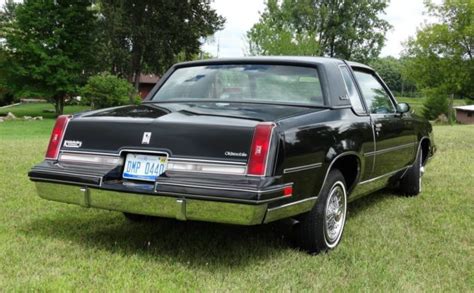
352,91
376,97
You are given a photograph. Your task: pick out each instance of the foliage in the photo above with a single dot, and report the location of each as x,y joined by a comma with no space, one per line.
391,70
440,57
148,35
344,29
435,105
417,104
107,90
49,47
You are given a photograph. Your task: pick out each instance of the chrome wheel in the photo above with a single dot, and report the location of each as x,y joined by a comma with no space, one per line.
335,214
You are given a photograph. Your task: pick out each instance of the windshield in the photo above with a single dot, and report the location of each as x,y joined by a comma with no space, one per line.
240,83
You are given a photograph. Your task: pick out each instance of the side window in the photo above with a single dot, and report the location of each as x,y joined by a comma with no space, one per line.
352,91
376,97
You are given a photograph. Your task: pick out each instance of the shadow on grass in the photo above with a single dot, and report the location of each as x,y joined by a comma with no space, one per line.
198,243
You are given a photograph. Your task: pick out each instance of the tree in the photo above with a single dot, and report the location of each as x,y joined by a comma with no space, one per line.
107,90
440,56
391,70
149,35
344,29
49,47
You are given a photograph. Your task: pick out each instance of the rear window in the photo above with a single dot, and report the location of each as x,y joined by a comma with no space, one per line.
240,83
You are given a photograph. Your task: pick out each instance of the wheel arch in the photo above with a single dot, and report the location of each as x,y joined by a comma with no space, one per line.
425,145
349,164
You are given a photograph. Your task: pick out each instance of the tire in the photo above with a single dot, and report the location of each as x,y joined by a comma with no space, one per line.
410,183
314,233
137,218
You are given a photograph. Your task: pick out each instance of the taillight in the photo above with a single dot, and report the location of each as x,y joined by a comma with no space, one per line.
57,137
260,148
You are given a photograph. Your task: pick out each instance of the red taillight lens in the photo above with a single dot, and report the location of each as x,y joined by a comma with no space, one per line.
260,148
57,137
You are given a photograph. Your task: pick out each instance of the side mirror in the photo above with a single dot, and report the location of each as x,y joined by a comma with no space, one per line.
403,108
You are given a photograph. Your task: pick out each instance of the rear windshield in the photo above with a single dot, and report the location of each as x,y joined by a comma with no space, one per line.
240,83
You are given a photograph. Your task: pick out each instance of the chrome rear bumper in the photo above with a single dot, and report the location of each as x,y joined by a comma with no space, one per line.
171,207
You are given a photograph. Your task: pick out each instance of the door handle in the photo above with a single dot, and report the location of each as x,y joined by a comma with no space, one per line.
378,126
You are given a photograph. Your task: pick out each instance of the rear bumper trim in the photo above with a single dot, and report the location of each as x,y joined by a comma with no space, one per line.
178,206
152,205
269,190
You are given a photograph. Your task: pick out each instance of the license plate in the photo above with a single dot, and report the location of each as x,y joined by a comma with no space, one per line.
144,167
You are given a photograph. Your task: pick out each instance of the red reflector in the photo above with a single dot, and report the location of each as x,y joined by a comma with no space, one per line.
288,191
260,148
57,137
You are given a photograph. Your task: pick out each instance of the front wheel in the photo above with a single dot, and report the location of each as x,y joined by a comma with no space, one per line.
321,229
410,184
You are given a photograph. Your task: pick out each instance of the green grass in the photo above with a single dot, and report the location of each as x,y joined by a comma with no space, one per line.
36,109
417,103
391,243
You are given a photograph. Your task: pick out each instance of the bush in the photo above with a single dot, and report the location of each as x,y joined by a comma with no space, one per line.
6,98
107,90
435,105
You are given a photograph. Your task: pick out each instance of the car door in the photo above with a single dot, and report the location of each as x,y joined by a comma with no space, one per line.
395,140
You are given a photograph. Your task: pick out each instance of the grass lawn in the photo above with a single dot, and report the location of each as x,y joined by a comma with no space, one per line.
36,109
417,103
391,243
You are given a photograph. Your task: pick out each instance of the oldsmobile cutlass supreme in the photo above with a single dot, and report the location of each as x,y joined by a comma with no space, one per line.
243,141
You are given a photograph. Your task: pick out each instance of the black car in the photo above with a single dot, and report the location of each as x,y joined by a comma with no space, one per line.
243,141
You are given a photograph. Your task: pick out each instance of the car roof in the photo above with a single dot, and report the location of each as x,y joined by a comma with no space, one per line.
267,59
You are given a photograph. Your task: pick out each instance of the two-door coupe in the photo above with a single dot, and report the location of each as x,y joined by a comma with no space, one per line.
243,141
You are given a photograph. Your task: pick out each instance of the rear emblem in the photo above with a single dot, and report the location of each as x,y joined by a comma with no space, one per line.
146,138
72,143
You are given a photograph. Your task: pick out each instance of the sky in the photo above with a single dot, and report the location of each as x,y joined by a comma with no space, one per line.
404,15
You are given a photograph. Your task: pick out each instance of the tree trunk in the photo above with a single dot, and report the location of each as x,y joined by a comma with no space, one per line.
59,104
136,84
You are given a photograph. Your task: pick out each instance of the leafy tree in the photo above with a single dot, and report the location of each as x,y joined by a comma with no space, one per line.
107,90
49,47
149,35
391,70
440,57
344,29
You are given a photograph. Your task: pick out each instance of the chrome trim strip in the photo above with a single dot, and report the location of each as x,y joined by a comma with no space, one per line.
207,161
222,188
201,164
169,157
90,153
143,151
75,183
390,149
302,168
384,175
223,199
290,209
67,173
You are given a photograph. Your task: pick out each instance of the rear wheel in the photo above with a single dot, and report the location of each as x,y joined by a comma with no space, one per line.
410,184
321,229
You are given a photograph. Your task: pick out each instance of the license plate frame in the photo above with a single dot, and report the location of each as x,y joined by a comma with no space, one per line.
136,168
